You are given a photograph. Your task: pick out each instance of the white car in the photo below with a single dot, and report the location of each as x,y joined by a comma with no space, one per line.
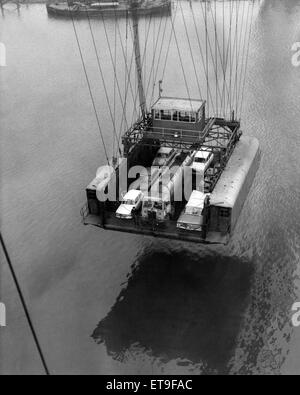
202,161
131,201
164,156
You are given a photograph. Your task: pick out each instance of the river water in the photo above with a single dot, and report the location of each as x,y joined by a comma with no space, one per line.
112,303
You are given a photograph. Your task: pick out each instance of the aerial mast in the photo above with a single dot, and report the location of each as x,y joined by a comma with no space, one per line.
134,5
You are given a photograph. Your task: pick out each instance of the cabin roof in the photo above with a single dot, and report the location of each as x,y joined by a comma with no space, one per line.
171,103
234,176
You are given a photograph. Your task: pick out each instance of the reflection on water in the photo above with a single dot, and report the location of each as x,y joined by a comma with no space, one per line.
179,305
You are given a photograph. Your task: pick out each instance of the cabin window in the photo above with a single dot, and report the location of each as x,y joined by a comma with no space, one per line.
175,116
148,204
193,117
166,115
157,114
158,206
184,116
225,212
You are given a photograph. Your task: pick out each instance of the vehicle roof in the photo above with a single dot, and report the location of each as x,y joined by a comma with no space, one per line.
202,154
102,178
165,150
132,194
170,103
197,199
163,195
234,176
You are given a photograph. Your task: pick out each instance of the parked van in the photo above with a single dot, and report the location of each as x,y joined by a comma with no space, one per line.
192,218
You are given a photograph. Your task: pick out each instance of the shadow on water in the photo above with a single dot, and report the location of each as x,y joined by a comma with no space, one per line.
179,305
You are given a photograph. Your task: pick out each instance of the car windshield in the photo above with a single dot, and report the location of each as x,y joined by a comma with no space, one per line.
161,155
129,202
158,206
200,160
193,211
148,204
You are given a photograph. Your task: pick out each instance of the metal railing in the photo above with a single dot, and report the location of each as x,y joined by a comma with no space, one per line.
143,132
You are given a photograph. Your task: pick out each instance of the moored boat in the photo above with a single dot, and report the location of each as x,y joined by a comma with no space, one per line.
106,8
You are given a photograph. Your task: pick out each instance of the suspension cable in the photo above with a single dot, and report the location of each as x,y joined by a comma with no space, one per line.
208,93
239,51
181,62
191,51
124,56
159,57
152,71
102,76
234,48
247,58
89,86
114,69
226,60
222,59
170,40
24,305
143,62
244,52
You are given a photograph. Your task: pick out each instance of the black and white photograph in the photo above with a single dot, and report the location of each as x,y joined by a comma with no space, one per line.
149,190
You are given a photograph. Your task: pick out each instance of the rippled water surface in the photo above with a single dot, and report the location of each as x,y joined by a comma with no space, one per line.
113,303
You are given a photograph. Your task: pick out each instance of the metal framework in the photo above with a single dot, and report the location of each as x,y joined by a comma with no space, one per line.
216,134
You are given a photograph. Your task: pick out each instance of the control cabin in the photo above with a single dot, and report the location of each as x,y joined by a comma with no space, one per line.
177,119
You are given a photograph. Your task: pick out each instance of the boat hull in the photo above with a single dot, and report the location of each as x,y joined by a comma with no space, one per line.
63,10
